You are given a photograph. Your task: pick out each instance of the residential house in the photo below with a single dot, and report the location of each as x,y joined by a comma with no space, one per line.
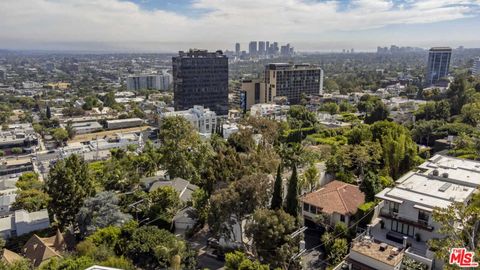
337,201
403,219
185,218
38,249
181,186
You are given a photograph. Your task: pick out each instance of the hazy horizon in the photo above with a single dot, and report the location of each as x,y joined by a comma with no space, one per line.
169,26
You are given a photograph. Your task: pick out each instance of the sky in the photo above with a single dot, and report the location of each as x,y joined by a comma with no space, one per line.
173,25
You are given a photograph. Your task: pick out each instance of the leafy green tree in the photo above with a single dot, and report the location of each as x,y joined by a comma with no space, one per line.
330,107
68,184
118,262
146,241
100,211
399,150
270,231
338,251
29,180
73,263
442,110
359,134
299,117
183,154
456,236
200,204
164,203
370,186
424,130
60,135
456,94
277,197
31,200
237,260
367,103
291,205
311,176
229,206
242,141
471,114
379,113
22,264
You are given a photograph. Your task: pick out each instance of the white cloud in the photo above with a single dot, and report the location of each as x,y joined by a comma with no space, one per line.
117,22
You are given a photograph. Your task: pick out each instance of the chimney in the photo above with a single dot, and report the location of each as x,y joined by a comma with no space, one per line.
405,242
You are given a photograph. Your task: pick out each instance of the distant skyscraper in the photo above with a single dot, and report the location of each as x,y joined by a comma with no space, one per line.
237,49
261,48
267,47
275,48
476,67
252,48
438,64
291,81
201,78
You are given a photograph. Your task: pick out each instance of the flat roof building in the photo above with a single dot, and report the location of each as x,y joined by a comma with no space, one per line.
201,78
403,217
292,81
124,123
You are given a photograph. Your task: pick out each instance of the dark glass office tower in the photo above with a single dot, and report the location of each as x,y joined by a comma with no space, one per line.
201,78
438,64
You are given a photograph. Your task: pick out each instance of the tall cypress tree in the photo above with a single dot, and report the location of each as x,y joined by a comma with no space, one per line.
277,198
291,206
48,112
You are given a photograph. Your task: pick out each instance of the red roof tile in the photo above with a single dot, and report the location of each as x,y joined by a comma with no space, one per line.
336,197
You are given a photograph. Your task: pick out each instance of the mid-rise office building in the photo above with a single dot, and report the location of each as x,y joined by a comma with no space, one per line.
292,81
151,82
438,64
201,78
252,48
476,67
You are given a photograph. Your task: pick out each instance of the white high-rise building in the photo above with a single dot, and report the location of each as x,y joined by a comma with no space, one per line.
153,81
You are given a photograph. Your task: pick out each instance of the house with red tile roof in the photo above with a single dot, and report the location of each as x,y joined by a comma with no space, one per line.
337,201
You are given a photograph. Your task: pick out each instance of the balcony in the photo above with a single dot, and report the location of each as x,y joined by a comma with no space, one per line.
417,251
421,224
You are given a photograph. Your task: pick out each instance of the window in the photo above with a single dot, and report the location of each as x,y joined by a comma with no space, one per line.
342,218
306,207
402,228
393,207
423,217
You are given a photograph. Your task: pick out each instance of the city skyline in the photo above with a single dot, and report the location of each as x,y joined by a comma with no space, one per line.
169,26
